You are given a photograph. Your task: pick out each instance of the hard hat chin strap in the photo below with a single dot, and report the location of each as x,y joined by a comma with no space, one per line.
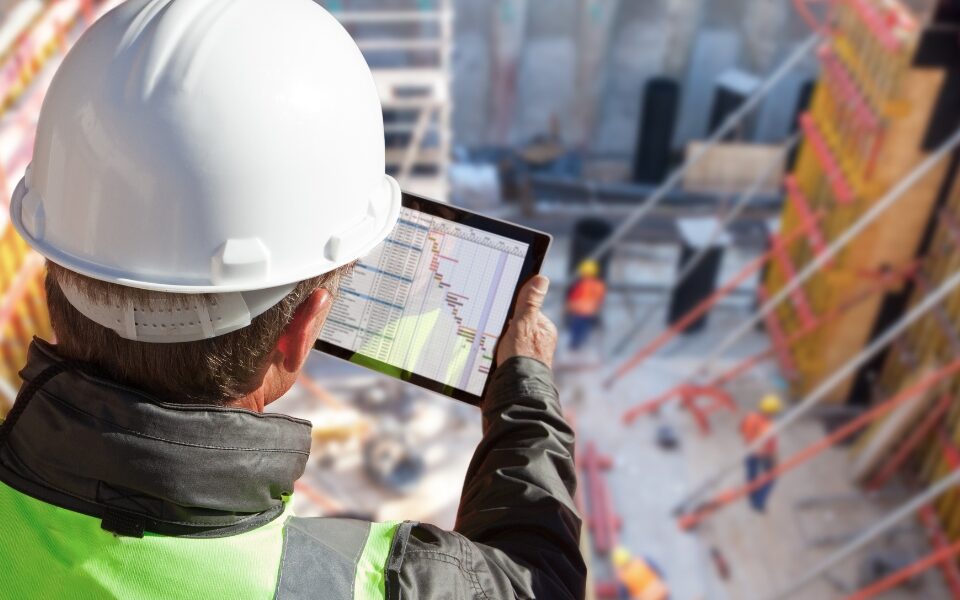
175,318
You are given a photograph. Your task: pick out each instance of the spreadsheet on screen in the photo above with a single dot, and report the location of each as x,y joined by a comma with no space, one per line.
431,300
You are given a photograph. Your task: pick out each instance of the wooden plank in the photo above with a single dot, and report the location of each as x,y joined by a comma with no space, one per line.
731,168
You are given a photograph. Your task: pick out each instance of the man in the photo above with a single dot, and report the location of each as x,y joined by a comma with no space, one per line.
204,172
763,460
639,579
584,302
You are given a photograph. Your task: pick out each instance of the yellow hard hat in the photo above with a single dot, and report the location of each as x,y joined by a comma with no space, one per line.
589,268
771,404
620,556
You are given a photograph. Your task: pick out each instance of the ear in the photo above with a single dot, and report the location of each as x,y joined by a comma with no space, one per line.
298,337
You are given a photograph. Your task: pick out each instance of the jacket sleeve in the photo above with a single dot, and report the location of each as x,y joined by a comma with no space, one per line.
518,532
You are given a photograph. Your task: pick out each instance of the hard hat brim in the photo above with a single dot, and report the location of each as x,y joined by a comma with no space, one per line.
386,210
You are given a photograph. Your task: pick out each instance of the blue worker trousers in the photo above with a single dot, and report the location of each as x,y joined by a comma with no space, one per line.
757,466
580,328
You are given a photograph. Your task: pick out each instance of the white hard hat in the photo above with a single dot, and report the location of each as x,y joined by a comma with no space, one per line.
232,147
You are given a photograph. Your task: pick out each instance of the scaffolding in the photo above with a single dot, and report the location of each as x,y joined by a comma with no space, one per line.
409,49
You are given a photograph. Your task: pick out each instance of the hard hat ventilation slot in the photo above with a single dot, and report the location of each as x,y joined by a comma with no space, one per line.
175,318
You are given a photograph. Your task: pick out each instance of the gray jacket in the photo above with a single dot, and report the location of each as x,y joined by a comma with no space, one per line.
199,471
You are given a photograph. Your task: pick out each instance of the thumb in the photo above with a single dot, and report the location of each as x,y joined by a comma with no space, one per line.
532,295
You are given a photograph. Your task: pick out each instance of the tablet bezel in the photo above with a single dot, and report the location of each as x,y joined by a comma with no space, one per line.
539,244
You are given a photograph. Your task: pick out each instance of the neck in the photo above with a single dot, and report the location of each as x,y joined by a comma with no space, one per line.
187,469
275,384
254,401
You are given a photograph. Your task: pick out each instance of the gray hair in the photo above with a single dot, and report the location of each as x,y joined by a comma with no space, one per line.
212,371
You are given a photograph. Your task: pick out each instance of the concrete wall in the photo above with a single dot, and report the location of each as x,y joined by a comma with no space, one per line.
519,63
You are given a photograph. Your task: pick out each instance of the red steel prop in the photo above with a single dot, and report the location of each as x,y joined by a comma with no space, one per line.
807,215
951,454
780,346
841,187
939,540
909,572
608,590
732,495
799,298
601,518
705,305
803,9
718,400
778,336
918,436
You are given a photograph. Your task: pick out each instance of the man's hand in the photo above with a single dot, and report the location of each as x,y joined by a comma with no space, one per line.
530,333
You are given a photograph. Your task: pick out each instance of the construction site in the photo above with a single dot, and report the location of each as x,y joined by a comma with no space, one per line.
767,397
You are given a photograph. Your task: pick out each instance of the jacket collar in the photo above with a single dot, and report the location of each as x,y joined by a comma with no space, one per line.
93,446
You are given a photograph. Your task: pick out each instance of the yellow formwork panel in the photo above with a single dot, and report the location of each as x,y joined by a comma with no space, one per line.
23,307
879,72
40,53
867,121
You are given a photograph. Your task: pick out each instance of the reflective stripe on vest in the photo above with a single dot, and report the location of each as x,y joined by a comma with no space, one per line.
51,552
343,557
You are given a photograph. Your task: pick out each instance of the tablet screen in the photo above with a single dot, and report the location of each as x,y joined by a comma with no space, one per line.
432,301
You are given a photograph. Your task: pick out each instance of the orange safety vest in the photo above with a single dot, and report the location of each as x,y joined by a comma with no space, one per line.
641,581
586,297
752,427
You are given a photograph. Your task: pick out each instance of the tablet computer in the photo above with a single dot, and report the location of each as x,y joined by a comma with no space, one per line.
430,303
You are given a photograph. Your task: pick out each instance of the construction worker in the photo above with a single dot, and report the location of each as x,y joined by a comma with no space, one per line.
639,578
584,302
764,459
204,171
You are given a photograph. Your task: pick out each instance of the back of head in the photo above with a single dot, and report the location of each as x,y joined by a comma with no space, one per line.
213,371
198,163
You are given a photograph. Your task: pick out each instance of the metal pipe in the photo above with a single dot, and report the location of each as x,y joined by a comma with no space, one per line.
798,55
812,399
748,363
935,558
732,215
939,539
839,435
702,307
904,511
552,190
821,391
916,437
895,194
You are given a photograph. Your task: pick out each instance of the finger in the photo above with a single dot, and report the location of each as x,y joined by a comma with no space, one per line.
548,325
532,295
